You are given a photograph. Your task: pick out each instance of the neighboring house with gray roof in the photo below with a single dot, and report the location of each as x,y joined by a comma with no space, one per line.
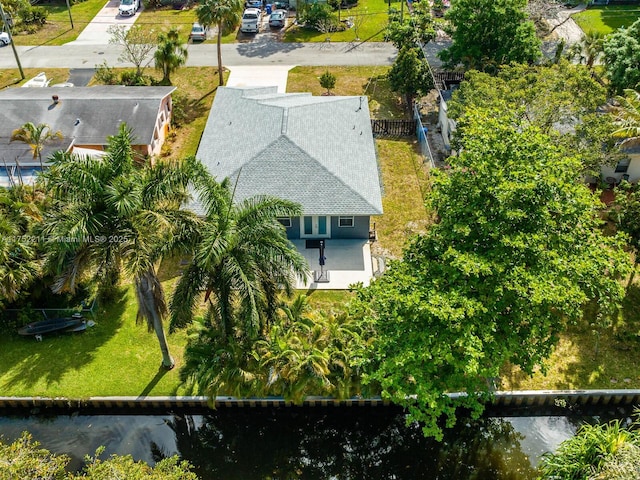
316,151
85,116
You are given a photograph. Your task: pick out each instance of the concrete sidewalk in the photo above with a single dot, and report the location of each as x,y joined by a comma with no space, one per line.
262,76
96,33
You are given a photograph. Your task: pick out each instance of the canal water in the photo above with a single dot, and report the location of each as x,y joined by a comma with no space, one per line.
294,443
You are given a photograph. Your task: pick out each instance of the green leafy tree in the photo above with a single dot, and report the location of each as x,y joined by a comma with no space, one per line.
111,213
242,261
328,81
413,30
36,136
24,459
225,14
490,33
597,452
409,76
562,100
627,217
124,466
516,254
170,54
622,58
626,114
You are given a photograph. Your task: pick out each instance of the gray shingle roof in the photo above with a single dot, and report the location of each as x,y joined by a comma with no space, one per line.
100,110
316,151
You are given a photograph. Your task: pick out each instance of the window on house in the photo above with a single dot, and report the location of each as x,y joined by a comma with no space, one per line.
623,165
345,221
285,221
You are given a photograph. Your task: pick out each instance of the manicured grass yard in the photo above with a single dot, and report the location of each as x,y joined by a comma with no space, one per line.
10,77
608,18
370,16
164,18
115,357
57,30
577,364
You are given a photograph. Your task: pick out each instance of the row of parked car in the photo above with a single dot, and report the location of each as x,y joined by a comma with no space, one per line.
252,16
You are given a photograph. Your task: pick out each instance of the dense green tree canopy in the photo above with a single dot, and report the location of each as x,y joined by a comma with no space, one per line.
411,30
490,33
515,255
622,58
409,75
562,100
25,459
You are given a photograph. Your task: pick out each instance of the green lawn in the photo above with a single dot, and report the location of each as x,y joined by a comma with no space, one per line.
606,19
57,30
10,77
164,18
115,357
583,359
369,16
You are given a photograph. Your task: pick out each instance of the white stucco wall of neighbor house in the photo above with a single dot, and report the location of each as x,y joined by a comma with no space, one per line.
632,169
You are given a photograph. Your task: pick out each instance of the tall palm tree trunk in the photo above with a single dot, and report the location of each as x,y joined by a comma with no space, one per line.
152,307
220,72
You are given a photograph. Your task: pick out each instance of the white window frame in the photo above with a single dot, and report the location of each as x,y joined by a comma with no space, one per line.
285,221
351,218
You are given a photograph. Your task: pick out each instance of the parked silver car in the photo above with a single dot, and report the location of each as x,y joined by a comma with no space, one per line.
278,19
198,33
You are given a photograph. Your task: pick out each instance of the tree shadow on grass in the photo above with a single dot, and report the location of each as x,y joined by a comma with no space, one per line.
591,358
154,381
27,362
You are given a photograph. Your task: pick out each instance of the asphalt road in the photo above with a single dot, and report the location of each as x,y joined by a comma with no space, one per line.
240,54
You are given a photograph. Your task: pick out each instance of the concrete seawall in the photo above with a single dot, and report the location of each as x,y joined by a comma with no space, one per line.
508,400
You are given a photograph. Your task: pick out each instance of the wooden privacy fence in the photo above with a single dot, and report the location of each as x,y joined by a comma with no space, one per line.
393,128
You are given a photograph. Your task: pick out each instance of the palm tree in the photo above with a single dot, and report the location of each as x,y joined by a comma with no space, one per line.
36,136
170,54
627,117
115,215
19,262
223,13
242,261
588,49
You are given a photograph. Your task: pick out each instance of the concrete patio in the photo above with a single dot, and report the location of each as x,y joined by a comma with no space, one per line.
347,262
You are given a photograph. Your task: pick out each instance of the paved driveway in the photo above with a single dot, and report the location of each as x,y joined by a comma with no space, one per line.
96,33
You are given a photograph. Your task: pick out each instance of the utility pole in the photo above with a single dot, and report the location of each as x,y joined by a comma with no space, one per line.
70,19
13,47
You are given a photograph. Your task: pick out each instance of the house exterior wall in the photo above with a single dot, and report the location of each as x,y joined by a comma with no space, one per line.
444,123
633,171
162,127
360,228
293,232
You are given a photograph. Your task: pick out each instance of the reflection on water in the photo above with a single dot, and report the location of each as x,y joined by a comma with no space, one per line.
341,443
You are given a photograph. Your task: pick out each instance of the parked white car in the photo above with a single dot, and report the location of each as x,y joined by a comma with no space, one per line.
4,38
128,8
251,20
